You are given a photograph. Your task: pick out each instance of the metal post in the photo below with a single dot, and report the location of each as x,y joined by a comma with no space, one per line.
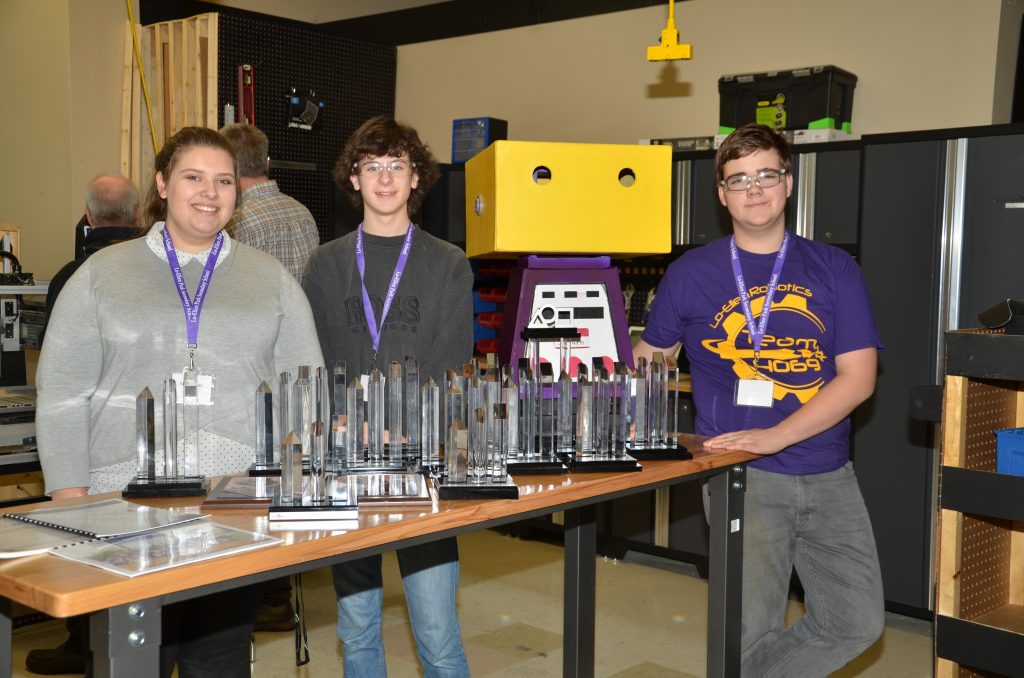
725,579
580,581
125,640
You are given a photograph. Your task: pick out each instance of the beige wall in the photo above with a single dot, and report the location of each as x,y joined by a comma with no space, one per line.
921,64
62,120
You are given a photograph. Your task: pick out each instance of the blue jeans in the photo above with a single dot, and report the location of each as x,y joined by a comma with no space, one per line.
817,524
430,577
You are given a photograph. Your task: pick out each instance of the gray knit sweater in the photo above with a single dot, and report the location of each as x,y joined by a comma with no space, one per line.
118,327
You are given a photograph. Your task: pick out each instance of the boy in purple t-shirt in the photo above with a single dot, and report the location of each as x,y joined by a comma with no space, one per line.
782,346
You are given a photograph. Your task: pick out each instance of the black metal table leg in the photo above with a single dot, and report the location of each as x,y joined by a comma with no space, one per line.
5,637
125,640
725,581
580,580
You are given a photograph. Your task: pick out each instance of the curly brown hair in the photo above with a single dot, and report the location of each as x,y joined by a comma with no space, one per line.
385,136
749,139
167,159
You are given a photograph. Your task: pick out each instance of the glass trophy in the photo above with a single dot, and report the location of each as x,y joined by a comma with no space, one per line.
585,416
499,414
190,423
413,409
291,469
354,429
527,411
564,413
302,410
655,410
394,387
640,404
284,413
375,416
339,420
264,425
147,481
145,435
430,428
546,414
477,448
620,409
491,389
170,428
319,433
600,411
673,407
453,408
510,397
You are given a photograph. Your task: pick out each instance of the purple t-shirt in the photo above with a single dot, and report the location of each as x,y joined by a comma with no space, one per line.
820,310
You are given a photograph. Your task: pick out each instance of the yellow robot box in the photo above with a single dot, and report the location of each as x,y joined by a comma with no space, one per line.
561,198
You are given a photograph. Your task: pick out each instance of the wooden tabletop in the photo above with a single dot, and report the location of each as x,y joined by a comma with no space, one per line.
62,588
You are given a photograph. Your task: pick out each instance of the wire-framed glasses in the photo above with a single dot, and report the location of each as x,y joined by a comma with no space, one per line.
376,168
766,178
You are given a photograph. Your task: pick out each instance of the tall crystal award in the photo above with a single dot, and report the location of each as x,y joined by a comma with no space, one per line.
673,408
145,435
291,469
655,411
413,406
527,411
264,425
284,412
394,387
190,423
600,410
585,416
564,414
510,397
302,409
640,403
546,406
477,454
499,414
620,409
375,416
354,429
339,420
170,428
430,447
319,434
453,408
491,388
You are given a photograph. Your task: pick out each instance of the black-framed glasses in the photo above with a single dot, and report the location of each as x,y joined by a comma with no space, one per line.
376,168
766,178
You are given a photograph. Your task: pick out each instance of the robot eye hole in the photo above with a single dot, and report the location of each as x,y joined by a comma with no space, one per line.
541,175
627,177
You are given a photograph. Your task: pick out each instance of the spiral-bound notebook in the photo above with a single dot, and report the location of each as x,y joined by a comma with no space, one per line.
106,519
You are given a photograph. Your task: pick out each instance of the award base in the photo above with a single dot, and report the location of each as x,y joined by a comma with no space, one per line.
167,487
604,463
490,489
542,464
670,452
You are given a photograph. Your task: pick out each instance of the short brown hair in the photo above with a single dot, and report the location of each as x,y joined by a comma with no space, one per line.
252,148
750,139
167,160
385,136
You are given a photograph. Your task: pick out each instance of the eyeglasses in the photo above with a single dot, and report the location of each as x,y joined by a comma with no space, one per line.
764,179
375,168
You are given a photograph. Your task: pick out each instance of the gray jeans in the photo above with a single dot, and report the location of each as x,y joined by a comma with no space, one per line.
817,524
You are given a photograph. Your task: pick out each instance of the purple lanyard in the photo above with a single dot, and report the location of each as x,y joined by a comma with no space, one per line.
396,277
192,307
757,331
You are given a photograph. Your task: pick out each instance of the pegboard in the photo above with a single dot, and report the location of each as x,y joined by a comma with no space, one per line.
991,405
356,80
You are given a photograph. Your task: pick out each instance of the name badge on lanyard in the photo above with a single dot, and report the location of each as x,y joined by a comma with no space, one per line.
759,391
396,277
193,308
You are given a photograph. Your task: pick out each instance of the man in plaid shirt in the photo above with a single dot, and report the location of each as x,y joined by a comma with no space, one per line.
266,218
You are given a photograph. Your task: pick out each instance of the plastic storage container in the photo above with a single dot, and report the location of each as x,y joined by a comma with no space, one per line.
802,98
1010,451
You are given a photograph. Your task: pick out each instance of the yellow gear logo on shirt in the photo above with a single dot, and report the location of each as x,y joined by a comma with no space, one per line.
798,361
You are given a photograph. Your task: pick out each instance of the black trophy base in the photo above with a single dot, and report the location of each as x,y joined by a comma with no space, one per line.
605,463
488,489
670,452
544,464
167,487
